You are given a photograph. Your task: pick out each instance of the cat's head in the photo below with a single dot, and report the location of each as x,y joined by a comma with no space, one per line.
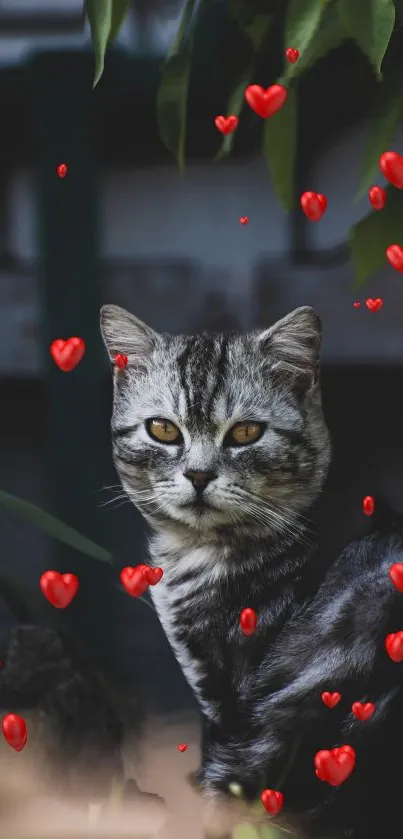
212,432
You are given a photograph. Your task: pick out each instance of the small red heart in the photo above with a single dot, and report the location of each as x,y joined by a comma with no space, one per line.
67,354
182,747
356,304
396,575
244,219
335,765
59,589
121,360
134,579
331,699
391,164
265,103
394,254
377,197
394,646
248,621
314,205
363,711
292,55
226,124
368,505
153,575
272,801
374,303
15,731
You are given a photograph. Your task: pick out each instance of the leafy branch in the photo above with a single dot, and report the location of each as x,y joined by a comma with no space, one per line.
315,28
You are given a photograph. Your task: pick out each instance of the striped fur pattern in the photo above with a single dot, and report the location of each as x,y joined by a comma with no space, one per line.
254,544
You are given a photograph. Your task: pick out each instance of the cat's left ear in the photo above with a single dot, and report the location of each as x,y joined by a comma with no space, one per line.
124,333
292,347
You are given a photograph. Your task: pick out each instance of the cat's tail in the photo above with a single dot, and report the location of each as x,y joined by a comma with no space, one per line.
385,519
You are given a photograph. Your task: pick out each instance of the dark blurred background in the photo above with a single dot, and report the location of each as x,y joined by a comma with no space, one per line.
124,227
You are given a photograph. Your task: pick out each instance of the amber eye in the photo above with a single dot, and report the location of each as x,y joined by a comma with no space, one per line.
244,433
163,430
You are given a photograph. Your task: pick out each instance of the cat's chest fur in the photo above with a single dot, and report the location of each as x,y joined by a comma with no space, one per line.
199,601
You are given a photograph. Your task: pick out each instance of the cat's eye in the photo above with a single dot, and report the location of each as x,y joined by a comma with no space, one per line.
164,431
244,433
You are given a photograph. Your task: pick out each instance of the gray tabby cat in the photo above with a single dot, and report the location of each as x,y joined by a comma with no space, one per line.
221,443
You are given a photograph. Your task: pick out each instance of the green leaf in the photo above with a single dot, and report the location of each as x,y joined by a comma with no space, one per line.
302,22
53,527
329,35
280,144
385,121
370,23
244,831
120,9
256,30
173,91
99,13
370,237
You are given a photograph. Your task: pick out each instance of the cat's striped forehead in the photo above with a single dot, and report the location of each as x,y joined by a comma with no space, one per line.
206,380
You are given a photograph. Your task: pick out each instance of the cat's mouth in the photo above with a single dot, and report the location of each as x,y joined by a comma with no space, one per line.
198,505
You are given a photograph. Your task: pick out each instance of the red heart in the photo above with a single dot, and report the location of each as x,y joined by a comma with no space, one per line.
363,711
153,575
368,505
394,646
244,219
226,124
121,360
377,196
134,580
356,304
248,621
374,304
396,575
182,747
335,765
292,55
272,801
394,254
314,204
331,699
265,103
391,164
67,354
59,589
15,731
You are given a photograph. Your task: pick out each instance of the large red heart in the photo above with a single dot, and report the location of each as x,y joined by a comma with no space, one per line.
394,254
394,646
272,801
391,164
59,589
396,575
335,765
265,103
331,699
314,204
15,731
135,580
363,710
67,354
226,124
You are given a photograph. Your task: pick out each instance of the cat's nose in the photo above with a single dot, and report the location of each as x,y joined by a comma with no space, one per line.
198,479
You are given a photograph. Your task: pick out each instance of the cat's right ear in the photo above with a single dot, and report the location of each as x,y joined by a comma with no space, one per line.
123,333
